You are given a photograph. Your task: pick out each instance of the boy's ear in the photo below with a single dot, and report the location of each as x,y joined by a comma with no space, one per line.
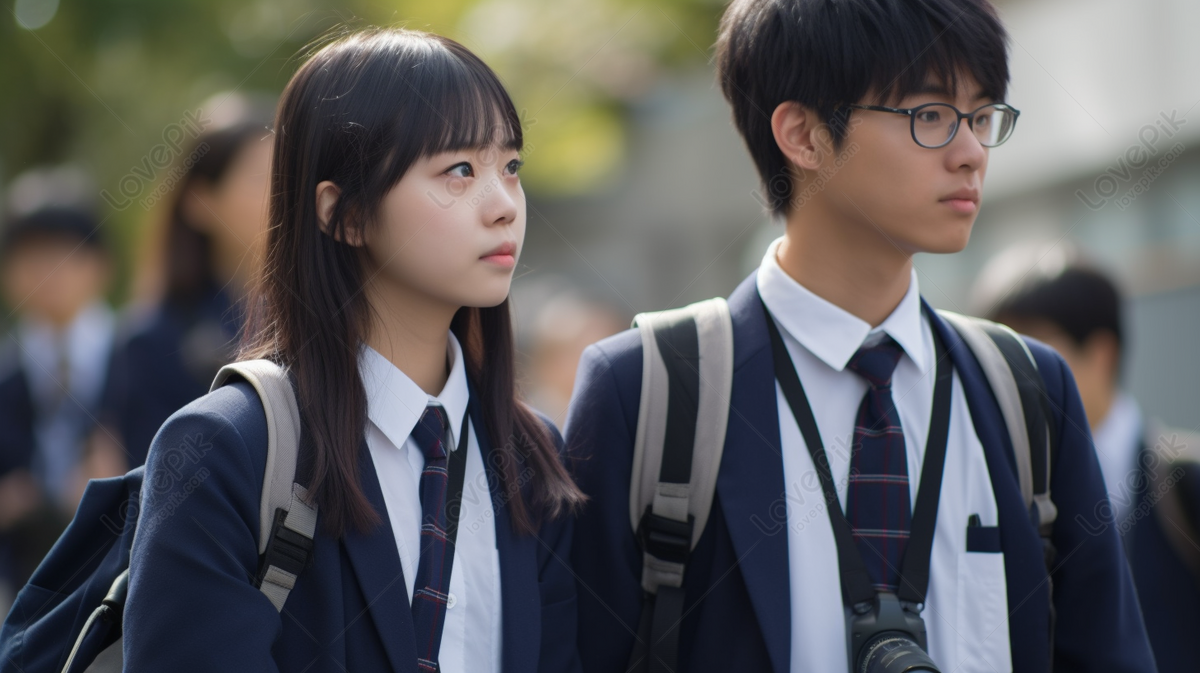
800,134
327,197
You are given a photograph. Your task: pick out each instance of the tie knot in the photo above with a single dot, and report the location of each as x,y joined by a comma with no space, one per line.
430,433
876,363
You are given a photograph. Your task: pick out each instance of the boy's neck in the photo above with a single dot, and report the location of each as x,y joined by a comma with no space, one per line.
852,266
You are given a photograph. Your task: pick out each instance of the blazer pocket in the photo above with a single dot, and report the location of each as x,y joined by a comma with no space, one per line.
984,539
982,622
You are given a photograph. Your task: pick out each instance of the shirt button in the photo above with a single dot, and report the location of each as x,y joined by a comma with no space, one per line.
451,601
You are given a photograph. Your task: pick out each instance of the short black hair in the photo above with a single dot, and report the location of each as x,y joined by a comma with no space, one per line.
71,225
825,54
1079,299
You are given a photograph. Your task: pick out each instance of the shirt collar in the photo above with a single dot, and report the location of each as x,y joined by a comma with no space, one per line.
828,331
395,402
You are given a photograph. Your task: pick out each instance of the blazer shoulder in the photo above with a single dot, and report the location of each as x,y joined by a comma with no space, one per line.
229,420
621,350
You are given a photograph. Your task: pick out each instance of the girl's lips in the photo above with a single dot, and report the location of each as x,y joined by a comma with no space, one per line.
507,261
505,255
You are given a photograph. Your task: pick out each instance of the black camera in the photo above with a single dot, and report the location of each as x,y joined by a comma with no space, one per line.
887,636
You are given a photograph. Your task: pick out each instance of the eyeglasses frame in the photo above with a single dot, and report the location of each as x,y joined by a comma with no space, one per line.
912,119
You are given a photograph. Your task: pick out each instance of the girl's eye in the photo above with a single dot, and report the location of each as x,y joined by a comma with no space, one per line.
929,116
514,166
462,170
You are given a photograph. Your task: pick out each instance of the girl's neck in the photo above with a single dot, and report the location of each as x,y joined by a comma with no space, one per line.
412,332
853,267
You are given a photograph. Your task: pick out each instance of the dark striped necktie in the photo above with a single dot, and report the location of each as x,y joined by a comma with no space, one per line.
877,501
430,590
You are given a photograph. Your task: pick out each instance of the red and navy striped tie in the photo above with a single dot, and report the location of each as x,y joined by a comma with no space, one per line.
877,502
431,590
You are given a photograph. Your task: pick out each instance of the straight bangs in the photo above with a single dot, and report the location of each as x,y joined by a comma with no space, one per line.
462,105
940,46
902,48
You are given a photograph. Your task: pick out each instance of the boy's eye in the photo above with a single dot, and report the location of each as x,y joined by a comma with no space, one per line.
514,166
462,170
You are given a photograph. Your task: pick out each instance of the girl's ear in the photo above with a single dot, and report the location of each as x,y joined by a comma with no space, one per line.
327,197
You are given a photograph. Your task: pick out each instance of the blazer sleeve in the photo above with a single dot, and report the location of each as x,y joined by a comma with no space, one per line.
1098,622
192,605
556,586
600,433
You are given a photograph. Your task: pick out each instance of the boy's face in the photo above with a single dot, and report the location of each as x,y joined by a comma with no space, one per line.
921,199
52,278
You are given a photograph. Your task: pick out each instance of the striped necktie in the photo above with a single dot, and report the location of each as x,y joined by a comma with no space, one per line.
877,501
430,590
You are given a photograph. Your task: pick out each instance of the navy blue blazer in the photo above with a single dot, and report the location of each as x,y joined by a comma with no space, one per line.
162,361
737,612
192,606
1167,589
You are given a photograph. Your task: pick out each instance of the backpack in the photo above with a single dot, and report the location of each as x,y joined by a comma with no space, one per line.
68,617
687,377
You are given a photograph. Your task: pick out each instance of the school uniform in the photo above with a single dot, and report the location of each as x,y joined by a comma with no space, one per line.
1168,590
165,358
192,607
762,588
50,388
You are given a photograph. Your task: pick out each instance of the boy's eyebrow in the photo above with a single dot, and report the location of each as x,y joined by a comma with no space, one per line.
939,89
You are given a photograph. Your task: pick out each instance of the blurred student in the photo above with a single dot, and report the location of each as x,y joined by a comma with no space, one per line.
564,326
1149,471
194,275
53,364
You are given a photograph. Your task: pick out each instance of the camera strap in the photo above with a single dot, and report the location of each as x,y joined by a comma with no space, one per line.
914,571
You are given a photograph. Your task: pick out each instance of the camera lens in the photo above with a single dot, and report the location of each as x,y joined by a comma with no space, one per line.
894,652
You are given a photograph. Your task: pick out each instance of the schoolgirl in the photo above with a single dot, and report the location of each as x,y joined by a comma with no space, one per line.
396,219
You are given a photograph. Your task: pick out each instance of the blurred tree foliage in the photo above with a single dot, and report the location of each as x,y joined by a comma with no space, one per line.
99,82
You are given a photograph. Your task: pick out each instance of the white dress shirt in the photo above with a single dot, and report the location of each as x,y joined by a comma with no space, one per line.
1118,439
66,371
966,609
471,636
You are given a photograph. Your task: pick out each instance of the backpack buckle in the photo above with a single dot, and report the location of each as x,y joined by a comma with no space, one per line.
287,550
664,538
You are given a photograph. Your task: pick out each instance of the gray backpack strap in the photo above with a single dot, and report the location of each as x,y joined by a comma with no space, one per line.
1020,391
287,521
687,375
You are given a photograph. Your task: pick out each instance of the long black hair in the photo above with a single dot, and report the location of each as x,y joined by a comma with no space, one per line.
359,112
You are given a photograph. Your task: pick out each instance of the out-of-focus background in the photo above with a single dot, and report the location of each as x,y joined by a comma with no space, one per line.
641,195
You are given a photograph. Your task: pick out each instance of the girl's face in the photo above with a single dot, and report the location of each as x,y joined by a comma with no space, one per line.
452,228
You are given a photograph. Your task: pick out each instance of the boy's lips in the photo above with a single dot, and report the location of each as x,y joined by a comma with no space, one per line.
963,200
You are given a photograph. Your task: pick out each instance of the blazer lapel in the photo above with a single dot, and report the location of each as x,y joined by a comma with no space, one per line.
376,564
520,601
750,482
1024,568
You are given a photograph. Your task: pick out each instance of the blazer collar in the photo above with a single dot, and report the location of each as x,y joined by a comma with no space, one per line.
750,482
521,602
376,564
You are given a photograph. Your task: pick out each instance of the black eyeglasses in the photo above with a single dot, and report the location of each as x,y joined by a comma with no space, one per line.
934,124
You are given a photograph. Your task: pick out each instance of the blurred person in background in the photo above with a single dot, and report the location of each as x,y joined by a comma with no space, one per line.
565,325
1057,296
194,273
55,269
